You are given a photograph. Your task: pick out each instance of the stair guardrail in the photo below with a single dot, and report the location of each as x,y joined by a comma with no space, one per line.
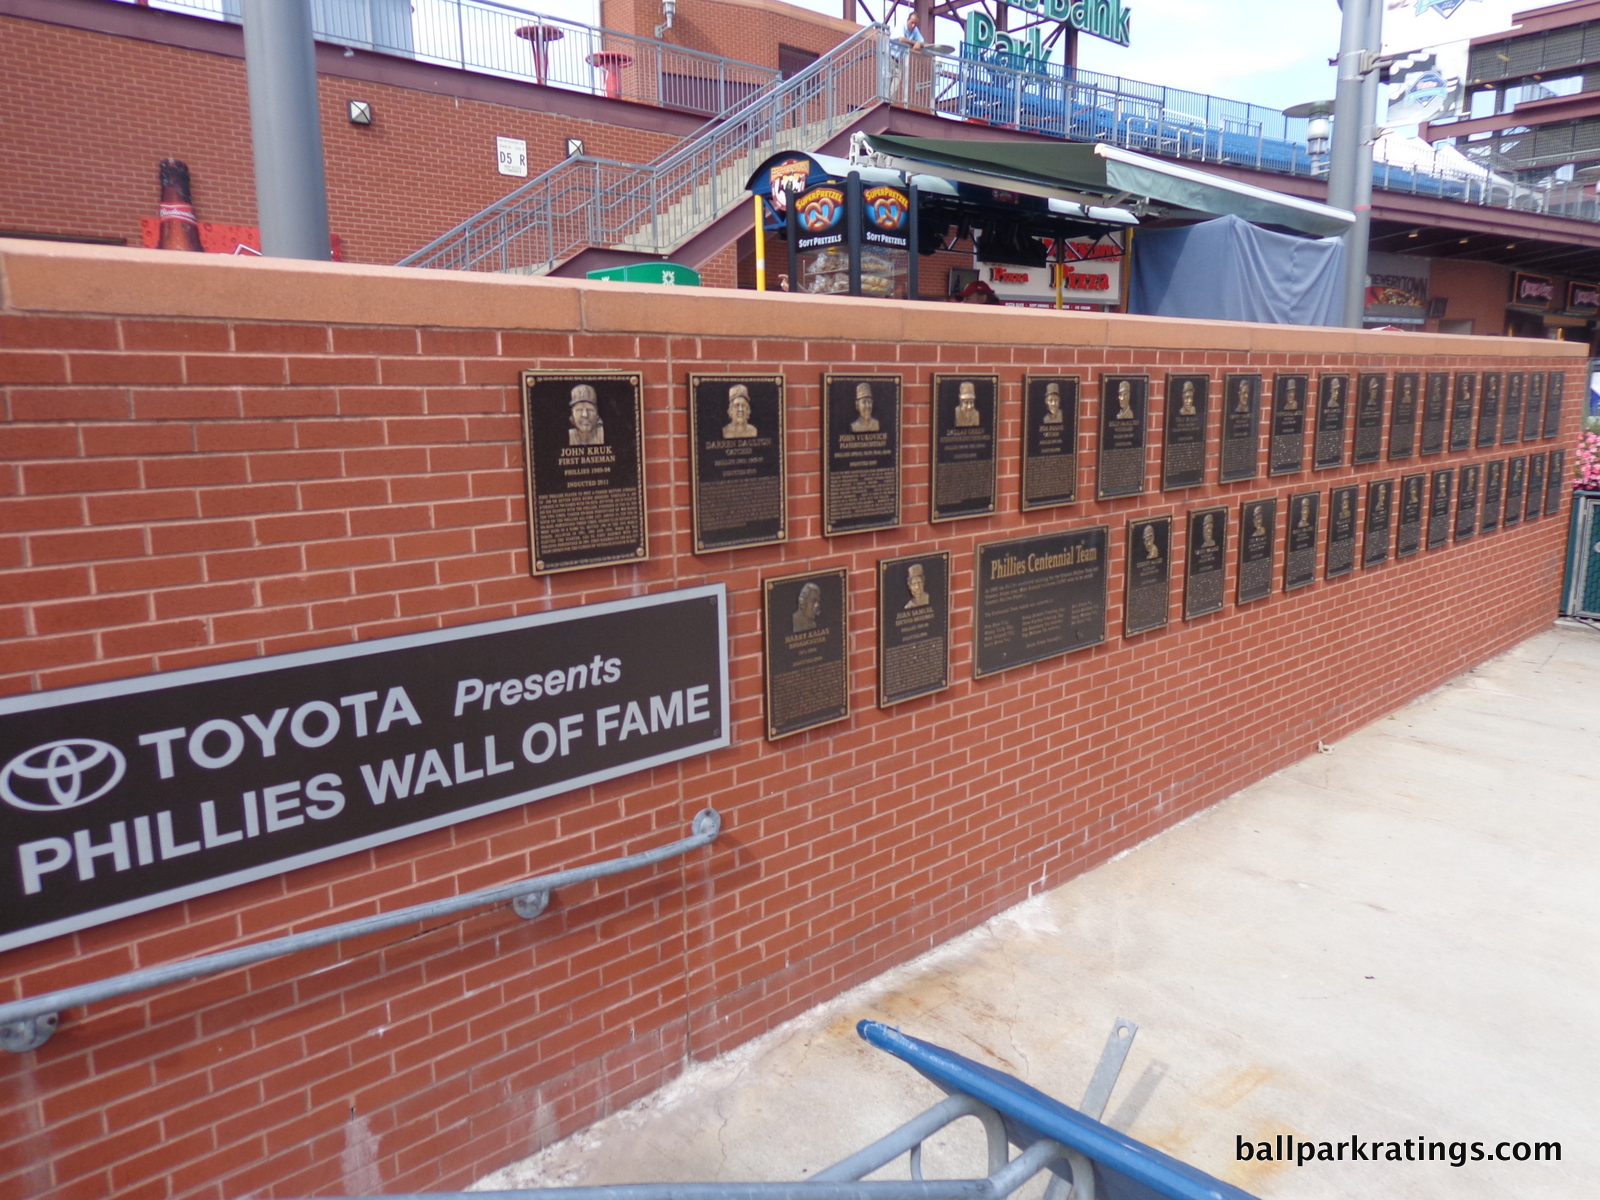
27,1024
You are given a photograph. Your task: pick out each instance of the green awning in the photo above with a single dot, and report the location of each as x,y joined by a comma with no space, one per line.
1097,173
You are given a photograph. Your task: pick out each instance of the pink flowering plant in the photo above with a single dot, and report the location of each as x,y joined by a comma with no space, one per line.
1589,462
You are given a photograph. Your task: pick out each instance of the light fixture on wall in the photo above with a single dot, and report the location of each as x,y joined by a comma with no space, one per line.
669,9
574,147
360,111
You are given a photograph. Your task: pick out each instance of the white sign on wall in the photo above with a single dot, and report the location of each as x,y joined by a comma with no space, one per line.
511,156
1096,282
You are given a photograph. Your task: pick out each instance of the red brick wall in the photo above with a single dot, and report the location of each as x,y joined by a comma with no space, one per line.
211,460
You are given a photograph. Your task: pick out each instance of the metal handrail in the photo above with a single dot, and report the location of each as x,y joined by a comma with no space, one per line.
28,1024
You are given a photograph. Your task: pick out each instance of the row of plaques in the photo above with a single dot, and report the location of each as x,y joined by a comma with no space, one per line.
584,439
1044,595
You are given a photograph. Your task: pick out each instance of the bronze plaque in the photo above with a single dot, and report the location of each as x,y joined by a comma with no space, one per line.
1341,532
1435,412
1462,409
1533,506
1258,527
1555,484
1300,542
1183,445
1120,471
1408,540
1380,518
1241,428
1552,402
1288,452
1403,416
736,429
1369,419
1207,564
1511,414
1333,407
1533,407
584,440
860,453
1439,508
965,413
1489,409
1038,597
1049,441
1516,481
1146,598
913,626
807,620
1467,501
1494,481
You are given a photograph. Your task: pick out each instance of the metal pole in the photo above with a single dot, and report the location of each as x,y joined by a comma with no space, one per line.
852,228
285,129
761,248
913,240
1348,134
1360,235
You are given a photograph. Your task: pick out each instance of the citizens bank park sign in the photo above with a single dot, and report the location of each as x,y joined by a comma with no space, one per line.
121,797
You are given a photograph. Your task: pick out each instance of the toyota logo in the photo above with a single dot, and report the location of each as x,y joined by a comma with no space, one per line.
61,774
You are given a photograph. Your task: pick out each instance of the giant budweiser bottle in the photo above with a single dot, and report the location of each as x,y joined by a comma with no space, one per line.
179,229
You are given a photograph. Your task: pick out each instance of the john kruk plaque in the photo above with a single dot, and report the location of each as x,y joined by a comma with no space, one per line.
1535,493
584,441
1288,453
1206,563
1494,482
1462,409
1467,501
1300,542
1241,428
1183,445
1413,505
1369,418
860,453
1145,601
1120,471
1038,597
1516,482
1403,415
1333,407
1435,412
1533,407
965,412
1049,441
1258,521
1380,519
1489,408
1341,558
736,429
1439,489
1511,413
807,643
913,626
1554,389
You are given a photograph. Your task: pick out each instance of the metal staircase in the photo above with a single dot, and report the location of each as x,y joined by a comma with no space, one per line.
654,208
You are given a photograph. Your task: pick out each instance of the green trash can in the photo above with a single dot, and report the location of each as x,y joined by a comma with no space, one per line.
651,272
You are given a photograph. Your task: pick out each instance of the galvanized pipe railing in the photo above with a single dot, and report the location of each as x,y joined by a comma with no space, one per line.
28,1024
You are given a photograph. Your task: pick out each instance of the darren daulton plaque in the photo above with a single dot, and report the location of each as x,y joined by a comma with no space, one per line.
860,453
807,645
1467,501
1049,441
1462,410
1183,444
1555,483
1288,453
965,410
1435,412
1038,597
1489,408
1439,490
1300,542
1380,519
1533,406
1333,406
1341,532
1494,482
1369,419
913,626
1204,578
1145,601
1511,413
1241,428
1554,388
1403,415
1258,520
1534,504
1120,471
1516,481
584,439
1409,539
736,429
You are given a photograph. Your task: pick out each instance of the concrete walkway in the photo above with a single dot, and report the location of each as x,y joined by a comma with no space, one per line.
1398,939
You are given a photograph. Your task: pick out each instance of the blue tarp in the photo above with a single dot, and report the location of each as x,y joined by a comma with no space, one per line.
1231,270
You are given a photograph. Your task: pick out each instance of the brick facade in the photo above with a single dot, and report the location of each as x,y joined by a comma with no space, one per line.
213,459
